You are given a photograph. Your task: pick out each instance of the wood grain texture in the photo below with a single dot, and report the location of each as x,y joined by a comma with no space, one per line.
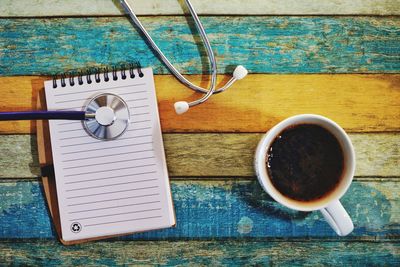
25,8
223,209
263,44
358,103
212,155
201,253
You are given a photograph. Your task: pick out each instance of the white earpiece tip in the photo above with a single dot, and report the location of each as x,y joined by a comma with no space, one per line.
181,107
240,72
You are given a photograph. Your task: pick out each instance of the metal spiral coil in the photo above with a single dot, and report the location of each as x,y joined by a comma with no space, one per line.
99,74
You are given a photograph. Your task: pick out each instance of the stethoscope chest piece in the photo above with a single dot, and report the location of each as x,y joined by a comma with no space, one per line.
111,117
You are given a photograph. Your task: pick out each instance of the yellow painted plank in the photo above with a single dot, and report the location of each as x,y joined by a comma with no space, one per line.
175,7
359,103
212,155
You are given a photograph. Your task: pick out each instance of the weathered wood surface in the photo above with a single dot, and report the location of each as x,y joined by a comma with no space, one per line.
201,253
25,8
357,102
272,44
212,155
224,209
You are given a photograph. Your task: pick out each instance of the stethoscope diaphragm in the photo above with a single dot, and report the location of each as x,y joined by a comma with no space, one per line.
110,117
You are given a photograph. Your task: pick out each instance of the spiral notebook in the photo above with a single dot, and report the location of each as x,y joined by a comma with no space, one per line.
108,188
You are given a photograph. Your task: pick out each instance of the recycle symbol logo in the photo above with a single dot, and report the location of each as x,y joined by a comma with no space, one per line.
76,227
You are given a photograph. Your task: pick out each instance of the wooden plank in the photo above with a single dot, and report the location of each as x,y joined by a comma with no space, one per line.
24,8
233,154
201,253
212,155
223,209
357,102
272,44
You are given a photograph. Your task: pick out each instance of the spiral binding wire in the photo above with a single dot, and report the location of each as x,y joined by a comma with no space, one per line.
98,73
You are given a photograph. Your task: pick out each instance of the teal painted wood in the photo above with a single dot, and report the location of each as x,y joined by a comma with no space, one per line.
223,209
263,44
201,253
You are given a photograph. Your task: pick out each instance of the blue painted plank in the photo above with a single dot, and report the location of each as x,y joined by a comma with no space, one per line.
222,209
201,253
263,44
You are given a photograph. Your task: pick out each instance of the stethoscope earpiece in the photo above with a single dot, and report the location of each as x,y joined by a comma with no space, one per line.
239,73
181,107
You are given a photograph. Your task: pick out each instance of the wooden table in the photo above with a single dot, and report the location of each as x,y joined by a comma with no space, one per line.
343,67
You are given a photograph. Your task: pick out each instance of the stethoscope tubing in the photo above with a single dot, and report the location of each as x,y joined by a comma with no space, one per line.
44,115
208,92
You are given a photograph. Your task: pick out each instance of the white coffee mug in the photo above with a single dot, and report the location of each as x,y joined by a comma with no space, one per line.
329,205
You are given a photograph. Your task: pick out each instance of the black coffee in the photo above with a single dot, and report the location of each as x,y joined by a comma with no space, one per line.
305,162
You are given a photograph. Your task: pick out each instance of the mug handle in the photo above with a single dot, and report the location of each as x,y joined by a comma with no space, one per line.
338,218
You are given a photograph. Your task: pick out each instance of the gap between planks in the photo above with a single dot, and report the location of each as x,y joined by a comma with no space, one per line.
359,103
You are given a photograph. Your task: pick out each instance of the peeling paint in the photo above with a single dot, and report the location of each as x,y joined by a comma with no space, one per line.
216,209
333,50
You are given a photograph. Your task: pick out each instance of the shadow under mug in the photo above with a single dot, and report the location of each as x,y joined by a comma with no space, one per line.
329,205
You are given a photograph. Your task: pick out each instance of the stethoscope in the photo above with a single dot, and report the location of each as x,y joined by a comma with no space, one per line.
106,116
182,106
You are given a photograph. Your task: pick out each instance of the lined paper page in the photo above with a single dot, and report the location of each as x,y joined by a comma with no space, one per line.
110,187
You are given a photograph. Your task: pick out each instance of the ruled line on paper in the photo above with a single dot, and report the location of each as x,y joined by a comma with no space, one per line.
113,192
69,122
114,199
100,141
86,135
115,214
136,219
139,129
80,129
136,99
84,99
105,163
110,170
105,148
132,93
110,177
96,90
113,207
108,185
140,114
143,106
74,137
109,155
82,107
132,122
71,130
71,108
